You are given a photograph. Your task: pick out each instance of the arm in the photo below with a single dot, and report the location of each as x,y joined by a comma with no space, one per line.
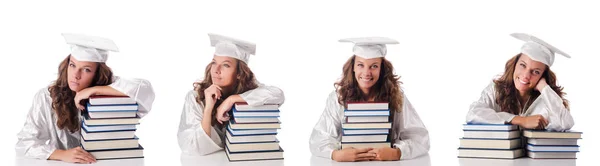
410,134
33,138
558,116
326,135
262,95
484,110
193,137
139,89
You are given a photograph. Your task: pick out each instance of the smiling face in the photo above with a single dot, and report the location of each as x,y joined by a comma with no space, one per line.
80,74
366,72
223,71
527,73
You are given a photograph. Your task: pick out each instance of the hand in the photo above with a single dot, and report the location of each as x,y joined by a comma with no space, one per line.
352,154
211,95
541,84
386,154
74,155
224,108
531,122
82,95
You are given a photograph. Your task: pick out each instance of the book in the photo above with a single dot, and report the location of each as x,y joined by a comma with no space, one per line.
551,141
107,100
250,138
367,113
114,121
234,125
250,156
551,134
240,132
137,152
490,127
490,153
110,144
256,119
238,114
492,134
366,131
107,135
552,155
108,127
366,119
116,107
360,145
367,106
112,114
246,107
364,138
387,125
490,143
252,147
553,148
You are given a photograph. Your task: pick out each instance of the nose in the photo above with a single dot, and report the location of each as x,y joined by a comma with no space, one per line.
217,69
77,74
527,75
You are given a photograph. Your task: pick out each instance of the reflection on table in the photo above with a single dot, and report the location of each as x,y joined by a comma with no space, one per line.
219,158
420,161
516,162
21,161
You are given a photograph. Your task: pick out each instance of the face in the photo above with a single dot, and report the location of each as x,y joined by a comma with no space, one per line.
527,73
366,72
80,74
223,71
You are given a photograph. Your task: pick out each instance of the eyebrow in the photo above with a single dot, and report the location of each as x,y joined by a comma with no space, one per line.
533,68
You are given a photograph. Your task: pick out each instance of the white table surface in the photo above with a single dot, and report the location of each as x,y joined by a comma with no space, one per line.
219,158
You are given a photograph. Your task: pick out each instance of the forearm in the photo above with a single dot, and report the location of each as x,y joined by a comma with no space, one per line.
207,120
56,154
107,91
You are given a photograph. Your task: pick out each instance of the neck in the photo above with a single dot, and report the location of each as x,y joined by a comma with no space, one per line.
523,97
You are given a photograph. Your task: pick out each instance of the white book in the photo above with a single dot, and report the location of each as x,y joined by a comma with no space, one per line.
490,143
251,147
112,121
367,113
550,148
251,138
234,125
123,107
361,145
367,106
500,127
490,153
252,131
366,119
108,127
552,141
552,155
109,144
367,125
107,135
492,134
364,138
112,114
249,156
551,134
246,107
254,114
368,131
110,100
117,153
256,120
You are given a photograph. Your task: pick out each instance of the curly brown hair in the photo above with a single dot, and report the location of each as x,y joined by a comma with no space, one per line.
245,81
387,88
63,97
507,94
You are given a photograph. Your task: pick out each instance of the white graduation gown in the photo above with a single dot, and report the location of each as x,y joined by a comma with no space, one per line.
548,104
409,132
40,135
192,138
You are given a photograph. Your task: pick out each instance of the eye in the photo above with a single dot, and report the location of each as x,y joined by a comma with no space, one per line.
536,72
360,65
522,65
375,66
71,65
226,65
87,70
213,63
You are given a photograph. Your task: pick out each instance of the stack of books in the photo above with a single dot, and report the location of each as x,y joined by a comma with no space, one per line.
543,144
252,133
108,128
501,141
366,125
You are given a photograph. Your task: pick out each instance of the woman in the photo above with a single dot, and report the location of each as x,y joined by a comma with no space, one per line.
51,130
227,80
527,93
368,76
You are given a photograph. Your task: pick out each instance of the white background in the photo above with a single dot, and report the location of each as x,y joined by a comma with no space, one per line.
448,52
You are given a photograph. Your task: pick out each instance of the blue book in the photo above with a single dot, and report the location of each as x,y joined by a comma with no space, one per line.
490,127
240,114
125,153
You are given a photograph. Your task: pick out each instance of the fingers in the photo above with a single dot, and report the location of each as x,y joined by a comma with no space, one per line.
87,156
364,150
76,160
366,155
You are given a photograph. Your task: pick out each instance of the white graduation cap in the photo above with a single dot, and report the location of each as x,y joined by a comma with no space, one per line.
89,48
370,47
537,49
231,47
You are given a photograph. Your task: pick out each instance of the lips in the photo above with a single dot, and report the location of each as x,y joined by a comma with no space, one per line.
73,83
366,79
523,82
